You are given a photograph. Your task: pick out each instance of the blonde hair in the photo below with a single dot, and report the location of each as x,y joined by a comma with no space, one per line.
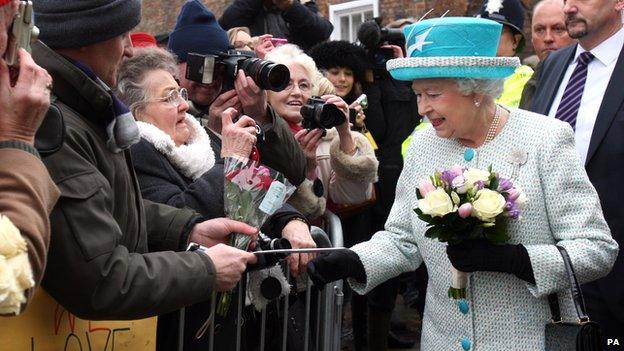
322,86
231,33
289,54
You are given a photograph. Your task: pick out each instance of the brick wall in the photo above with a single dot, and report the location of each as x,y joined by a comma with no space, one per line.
160,15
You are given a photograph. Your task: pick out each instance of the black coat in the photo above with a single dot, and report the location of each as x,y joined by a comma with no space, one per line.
391,117
604,166
301,24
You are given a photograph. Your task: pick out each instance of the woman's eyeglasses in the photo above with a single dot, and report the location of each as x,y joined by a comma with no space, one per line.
304,86
174,97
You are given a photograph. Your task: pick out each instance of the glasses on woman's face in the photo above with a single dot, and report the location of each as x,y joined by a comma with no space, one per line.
304,86
175,97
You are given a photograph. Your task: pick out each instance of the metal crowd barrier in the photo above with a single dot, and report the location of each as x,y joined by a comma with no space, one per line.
329,300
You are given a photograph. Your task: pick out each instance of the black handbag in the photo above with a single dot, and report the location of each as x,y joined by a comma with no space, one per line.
582,335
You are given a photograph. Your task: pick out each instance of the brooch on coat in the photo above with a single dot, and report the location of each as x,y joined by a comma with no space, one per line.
517,158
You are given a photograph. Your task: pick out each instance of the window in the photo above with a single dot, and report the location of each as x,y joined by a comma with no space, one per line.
348,16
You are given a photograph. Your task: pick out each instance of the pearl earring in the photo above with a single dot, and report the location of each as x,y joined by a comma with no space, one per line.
477,103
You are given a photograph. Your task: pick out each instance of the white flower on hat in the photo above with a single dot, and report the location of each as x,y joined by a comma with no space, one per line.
493,6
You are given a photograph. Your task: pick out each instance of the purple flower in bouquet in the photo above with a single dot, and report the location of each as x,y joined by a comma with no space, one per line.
513,210
448,176
504,184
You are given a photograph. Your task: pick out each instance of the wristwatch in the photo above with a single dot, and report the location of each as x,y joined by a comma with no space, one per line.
196,247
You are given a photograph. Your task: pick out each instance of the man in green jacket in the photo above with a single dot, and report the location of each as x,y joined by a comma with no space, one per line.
114,255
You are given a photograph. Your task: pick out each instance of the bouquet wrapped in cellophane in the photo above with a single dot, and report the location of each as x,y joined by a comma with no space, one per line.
467,204
252,193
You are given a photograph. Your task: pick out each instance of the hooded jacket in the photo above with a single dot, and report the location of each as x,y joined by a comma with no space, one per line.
300,24
111,251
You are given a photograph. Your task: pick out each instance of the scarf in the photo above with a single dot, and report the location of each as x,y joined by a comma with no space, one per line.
192,159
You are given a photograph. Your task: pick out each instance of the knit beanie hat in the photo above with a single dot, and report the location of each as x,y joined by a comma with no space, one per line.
197,31
74,24
340,53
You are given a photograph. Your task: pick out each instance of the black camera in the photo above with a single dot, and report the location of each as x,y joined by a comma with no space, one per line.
371,35
265,243
317,113
206,69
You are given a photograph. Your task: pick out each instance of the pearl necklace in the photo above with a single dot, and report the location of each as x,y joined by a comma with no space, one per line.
493,126
470,153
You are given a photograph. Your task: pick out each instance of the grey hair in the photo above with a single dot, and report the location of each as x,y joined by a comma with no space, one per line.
290,54
490,87
131,76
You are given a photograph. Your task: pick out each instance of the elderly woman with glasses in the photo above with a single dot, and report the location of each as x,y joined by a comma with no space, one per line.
176,165
341,165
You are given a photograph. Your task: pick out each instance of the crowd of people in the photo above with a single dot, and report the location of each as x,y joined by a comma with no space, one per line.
101,210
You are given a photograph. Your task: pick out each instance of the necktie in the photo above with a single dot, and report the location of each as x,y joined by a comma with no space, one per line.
571,99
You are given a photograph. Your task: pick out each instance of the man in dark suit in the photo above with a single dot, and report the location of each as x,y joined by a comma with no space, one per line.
580,84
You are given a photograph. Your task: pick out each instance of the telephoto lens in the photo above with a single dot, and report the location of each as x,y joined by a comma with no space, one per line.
317,113
266,74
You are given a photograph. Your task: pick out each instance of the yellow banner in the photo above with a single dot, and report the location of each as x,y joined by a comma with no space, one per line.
47,326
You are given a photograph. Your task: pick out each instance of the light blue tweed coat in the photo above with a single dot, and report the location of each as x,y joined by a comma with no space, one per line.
505,313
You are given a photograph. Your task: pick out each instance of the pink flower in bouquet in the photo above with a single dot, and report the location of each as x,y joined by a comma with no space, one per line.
513,194
457,170
425,187
245,178
459,184
465,210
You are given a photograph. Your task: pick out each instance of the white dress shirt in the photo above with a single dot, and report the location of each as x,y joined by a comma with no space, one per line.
599,73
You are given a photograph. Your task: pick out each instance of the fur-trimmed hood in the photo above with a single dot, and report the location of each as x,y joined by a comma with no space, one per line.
193,158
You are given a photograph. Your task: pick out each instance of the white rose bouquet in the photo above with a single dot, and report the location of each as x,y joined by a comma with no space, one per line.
467,204
15,271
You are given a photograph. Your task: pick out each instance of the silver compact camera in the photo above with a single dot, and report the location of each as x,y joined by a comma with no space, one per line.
23,32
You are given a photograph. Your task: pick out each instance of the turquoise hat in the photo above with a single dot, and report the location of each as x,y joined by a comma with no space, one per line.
452,47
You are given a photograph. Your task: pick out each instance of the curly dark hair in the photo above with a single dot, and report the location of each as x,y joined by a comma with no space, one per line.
340,53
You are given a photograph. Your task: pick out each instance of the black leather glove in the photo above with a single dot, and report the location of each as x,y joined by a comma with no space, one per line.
335,266
482,255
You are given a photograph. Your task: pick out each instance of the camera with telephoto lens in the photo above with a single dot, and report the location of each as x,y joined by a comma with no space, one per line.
206,69
317,114
265,243
23,32
372,35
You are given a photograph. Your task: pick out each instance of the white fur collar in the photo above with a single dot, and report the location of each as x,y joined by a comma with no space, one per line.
192,159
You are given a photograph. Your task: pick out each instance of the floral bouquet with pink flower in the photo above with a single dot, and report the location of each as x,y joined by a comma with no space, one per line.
252,193
467,204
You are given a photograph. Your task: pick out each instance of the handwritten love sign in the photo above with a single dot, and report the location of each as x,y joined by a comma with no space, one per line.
47,326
